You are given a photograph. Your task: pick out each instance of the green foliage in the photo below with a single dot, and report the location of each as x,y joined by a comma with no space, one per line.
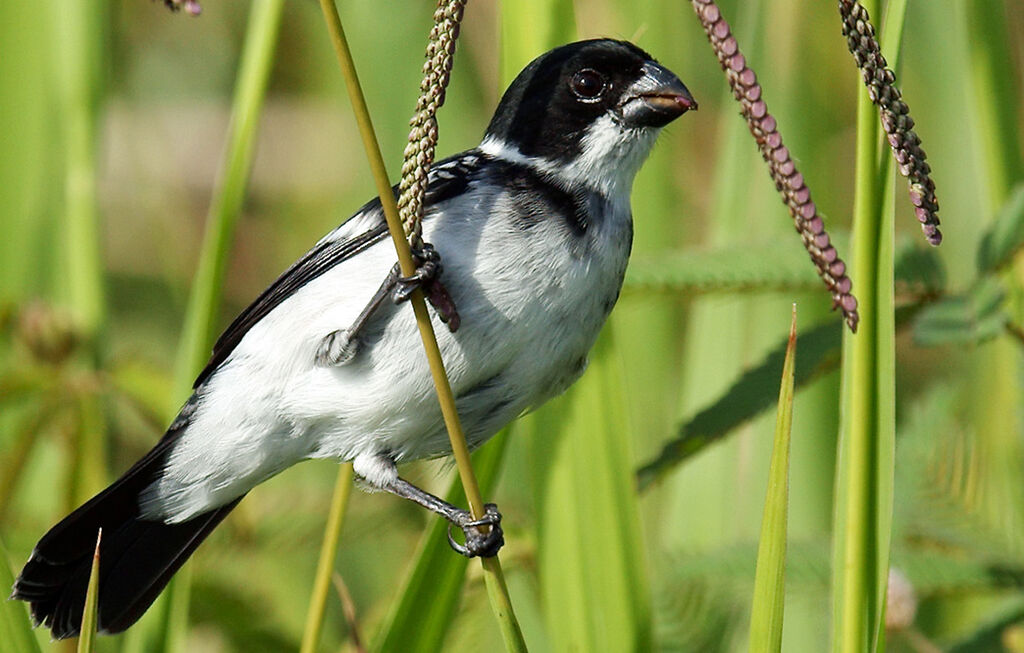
770,579
991,635
974,317
325,565
594,588
732,269
1005,236
864,500
15,626
748,397
981,313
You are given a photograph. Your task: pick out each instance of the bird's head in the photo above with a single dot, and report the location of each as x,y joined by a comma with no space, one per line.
588,110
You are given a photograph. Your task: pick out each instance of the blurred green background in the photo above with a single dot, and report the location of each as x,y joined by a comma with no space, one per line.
113,116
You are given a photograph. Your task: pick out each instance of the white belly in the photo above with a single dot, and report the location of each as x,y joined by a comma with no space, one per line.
528,321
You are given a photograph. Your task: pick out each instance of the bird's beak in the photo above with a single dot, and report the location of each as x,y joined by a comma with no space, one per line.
656,99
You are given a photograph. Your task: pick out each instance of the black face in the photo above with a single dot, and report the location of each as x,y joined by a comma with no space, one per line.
551,104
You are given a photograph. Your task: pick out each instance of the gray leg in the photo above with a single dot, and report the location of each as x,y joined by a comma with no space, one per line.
339,347
483,536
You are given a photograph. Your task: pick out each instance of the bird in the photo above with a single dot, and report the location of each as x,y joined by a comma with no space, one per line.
526,240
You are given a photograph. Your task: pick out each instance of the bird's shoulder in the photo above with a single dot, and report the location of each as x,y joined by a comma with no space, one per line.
447,180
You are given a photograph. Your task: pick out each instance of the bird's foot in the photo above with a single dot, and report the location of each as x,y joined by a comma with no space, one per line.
484,536
428,278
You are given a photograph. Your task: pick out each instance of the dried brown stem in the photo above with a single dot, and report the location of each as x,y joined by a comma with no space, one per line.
788,181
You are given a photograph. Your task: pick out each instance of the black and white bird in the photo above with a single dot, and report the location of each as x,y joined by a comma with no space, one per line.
533,229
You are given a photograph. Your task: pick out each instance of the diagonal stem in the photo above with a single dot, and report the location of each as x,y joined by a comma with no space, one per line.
496,588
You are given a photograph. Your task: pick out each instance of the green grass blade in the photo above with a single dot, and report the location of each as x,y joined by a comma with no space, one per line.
421,617
15,623
750,396
769,581
16,455
994,98
26,168
591,562
163,628
80,47
864,484
79,42
994,101
87,636
1005,237
325,565
747,398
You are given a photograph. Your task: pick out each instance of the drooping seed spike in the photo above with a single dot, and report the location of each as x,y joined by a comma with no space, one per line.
894,115
789,182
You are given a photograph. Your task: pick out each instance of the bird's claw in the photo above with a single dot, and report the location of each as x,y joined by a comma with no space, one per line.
427,277
479,542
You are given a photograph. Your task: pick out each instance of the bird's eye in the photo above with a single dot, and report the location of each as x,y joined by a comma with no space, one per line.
587,84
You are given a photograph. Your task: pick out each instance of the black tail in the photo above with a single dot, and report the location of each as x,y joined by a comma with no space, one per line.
137,557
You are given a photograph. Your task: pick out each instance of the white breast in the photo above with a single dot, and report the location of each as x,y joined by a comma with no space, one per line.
531,301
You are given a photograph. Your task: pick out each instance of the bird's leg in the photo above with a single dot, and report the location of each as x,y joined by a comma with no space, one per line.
428,278
339,347
483,536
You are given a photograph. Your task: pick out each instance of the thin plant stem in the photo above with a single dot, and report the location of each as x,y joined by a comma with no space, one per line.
79,36
348,606
325,566
864,485
496,589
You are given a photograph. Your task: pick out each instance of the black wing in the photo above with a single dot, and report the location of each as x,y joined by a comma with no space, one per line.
448,178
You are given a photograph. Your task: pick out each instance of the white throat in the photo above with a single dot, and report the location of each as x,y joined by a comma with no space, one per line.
610,157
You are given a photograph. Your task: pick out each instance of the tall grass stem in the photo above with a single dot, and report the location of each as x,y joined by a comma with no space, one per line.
865,473
325,565
497,591
79,38
15,624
